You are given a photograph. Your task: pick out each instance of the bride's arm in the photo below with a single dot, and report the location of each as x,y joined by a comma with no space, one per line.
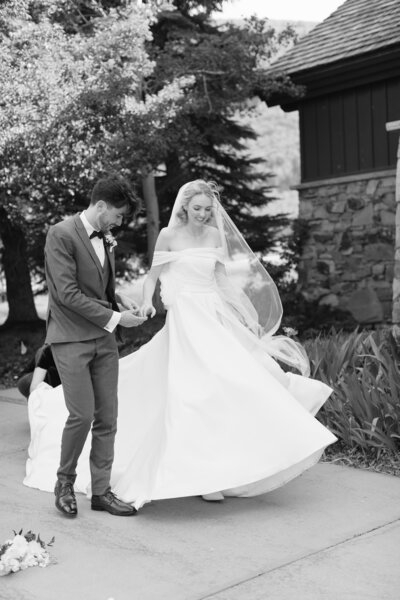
147,308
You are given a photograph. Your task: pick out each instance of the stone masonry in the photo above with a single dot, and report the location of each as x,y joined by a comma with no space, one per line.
348,256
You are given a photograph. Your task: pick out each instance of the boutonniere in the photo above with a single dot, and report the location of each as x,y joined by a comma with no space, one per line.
110,241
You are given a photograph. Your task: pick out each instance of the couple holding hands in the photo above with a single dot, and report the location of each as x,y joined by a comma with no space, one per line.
205,408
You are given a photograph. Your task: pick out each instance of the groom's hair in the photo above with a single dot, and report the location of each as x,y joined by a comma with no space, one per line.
115,191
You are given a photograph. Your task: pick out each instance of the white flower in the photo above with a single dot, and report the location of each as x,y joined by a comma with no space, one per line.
4,569
28,561
290,332
18,547
44,560
13,565
35,548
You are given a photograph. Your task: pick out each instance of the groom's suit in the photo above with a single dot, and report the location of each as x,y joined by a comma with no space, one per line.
81,304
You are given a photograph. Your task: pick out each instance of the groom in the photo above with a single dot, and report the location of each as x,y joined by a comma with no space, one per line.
82,316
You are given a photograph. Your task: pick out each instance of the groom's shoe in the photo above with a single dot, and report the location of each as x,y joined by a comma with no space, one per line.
65,498
113,505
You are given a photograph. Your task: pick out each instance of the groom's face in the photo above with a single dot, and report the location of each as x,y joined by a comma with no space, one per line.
110,216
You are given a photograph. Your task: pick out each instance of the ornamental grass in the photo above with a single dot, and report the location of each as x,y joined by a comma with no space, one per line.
364,409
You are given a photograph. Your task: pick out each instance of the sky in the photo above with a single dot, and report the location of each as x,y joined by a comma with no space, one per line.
293,10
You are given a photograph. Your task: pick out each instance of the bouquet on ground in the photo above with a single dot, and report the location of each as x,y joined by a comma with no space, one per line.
23,551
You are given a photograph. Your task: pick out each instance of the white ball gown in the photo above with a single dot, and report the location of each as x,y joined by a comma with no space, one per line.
201,409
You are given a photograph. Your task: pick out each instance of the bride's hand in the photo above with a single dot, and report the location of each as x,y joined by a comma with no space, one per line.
127,303
147,310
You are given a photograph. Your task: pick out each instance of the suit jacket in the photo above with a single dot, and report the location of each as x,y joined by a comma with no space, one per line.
79,307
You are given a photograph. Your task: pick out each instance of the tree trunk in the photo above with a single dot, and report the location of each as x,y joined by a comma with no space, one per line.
153,226
18,280
152,212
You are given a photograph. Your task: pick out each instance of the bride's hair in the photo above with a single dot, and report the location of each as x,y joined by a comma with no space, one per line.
193,188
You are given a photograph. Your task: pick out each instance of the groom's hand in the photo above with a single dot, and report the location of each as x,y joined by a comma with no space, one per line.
129,319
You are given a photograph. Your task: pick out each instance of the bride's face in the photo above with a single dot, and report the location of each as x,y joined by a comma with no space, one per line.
199,209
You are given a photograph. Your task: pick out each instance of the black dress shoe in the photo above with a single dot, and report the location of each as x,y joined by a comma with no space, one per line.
65,499
113,505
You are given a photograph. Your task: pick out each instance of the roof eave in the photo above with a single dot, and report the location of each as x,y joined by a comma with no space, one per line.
324,79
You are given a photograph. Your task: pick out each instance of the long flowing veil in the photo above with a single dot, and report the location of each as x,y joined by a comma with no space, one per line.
246,286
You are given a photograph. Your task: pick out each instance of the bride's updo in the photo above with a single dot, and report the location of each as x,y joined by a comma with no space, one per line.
194,188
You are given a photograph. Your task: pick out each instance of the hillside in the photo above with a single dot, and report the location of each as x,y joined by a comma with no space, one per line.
278,141
277,145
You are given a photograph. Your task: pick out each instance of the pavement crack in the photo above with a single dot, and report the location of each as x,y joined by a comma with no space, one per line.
236,584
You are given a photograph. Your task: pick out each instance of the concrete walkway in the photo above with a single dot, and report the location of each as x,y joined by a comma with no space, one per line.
332,534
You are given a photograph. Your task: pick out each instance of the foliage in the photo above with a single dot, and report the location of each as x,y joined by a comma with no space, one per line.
308,317
71,109
228,65
76,105
387,462
87,89
363,369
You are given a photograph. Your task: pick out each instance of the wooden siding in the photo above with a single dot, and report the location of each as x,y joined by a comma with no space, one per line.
345,133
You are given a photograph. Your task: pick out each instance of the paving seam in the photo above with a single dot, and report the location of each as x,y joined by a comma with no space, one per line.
294,561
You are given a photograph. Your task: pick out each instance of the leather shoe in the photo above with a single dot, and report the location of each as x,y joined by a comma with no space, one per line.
65,498
110,503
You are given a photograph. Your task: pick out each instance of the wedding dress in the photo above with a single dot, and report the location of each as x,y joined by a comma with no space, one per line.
201,407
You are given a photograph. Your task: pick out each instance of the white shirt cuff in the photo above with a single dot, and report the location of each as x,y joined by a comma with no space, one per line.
113,322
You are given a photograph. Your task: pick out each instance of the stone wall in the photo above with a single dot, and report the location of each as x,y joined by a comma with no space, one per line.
349,254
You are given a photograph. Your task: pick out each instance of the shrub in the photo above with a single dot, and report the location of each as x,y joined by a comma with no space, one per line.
363,370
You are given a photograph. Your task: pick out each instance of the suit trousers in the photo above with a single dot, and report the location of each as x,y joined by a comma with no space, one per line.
89,376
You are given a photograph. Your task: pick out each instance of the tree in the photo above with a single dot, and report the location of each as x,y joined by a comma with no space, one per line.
29,94
71,109
229,64
86,89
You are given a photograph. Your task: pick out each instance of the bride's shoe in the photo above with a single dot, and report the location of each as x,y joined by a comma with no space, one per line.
214,497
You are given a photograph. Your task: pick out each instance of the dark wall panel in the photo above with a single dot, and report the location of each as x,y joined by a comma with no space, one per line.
337,135
393,114
350,125
324,139
345,133
364,118
380,140
308,132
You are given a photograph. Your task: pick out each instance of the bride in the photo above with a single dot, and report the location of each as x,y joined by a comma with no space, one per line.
205,407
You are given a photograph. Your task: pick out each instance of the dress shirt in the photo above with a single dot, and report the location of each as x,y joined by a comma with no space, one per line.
98,247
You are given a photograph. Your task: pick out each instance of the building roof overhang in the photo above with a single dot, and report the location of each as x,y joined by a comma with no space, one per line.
379,65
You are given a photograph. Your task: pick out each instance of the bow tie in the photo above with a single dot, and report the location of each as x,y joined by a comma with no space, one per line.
98,234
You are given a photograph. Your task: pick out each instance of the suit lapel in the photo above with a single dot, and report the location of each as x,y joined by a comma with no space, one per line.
81,231
111,260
